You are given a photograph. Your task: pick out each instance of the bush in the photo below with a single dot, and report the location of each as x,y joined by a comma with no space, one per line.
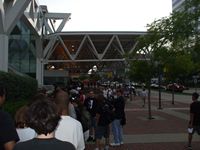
18,87
11,107
19,90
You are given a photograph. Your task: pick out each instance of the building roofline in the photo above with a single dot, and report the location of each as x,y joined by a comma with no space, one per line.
98,33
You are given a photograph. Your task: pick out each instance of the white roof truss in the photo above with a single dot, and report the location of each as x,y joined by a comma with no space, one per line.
2,16
14,13
106,54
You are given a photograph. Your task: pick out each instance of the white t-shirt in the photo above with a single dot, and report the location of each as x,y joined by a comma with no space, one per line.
144,93
25,134
70,130
105,91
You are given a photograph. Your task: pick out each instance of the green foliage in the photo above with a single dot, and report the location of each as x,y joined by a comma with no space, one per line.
140,71
173,42
18,87
178,66
12,106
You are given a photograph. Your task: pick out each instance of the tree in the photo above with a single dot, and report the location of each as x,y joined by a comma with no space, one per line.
140,71
178,67
172,41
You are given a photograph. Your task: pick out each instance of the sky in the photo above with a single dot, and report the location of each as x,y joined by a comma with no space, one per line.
109,15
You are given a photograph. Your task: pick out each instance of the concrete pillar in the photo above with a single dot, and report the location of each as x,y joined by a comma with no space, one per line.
39,62
40,72
3,52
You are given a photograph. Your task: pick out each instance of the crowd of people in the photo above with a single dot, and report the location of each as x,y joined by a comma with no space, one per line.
65,119
68,118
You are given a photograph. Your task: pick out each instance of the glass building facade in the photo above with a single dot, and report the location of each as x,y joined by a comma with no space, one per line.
22,50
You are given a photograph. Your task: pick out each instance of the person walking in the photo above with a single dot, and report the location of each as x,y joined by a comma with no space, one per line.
143,96
194,122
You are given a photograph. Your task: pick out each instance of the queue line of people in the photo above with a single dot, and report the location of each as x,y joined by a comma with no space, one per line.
107,113
48,122
90,116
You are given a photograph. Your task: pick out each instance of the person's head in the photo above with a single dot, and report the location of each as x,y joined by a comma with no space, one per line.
43,116
195,96
21,117
91,94
119,92
62,101
2,94
36,97
43,90
100,98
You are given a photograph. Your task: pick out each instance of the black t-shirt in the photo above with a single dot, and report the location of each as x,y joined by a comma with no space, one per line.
195,109
106,113
7,129
44,144
91,105
119,106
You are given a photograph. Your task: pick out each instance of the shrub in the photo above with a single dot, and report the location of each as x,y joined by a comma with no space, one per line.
19,90
12,106
18,87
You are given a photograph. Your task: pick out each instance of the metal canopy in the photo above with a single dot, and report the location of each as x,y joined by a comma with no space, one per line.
75,50
71,49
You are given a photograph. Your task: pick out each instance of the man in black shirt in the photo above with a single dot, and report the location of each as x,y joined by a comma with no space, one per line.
194,123
119,119
8,134
104,117
91,105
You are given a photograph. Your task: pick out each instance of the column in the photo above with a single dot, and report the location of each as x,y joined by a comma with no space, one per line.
39,71
39,62
3,52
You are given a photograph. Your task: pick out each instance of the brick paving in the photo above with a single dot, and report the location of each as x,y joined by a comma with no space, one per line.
167,131
152,146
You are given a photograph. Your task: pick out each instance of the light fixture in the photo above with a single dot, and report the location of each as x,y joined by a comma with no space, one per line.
94,68
52,67
90,71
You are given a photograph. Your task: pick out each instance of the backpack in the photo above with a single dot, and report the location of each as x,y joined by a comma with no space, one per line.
107,113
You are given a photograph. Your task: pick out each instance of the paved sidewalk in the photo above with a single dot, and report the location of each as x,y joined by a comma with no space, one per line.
167,131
